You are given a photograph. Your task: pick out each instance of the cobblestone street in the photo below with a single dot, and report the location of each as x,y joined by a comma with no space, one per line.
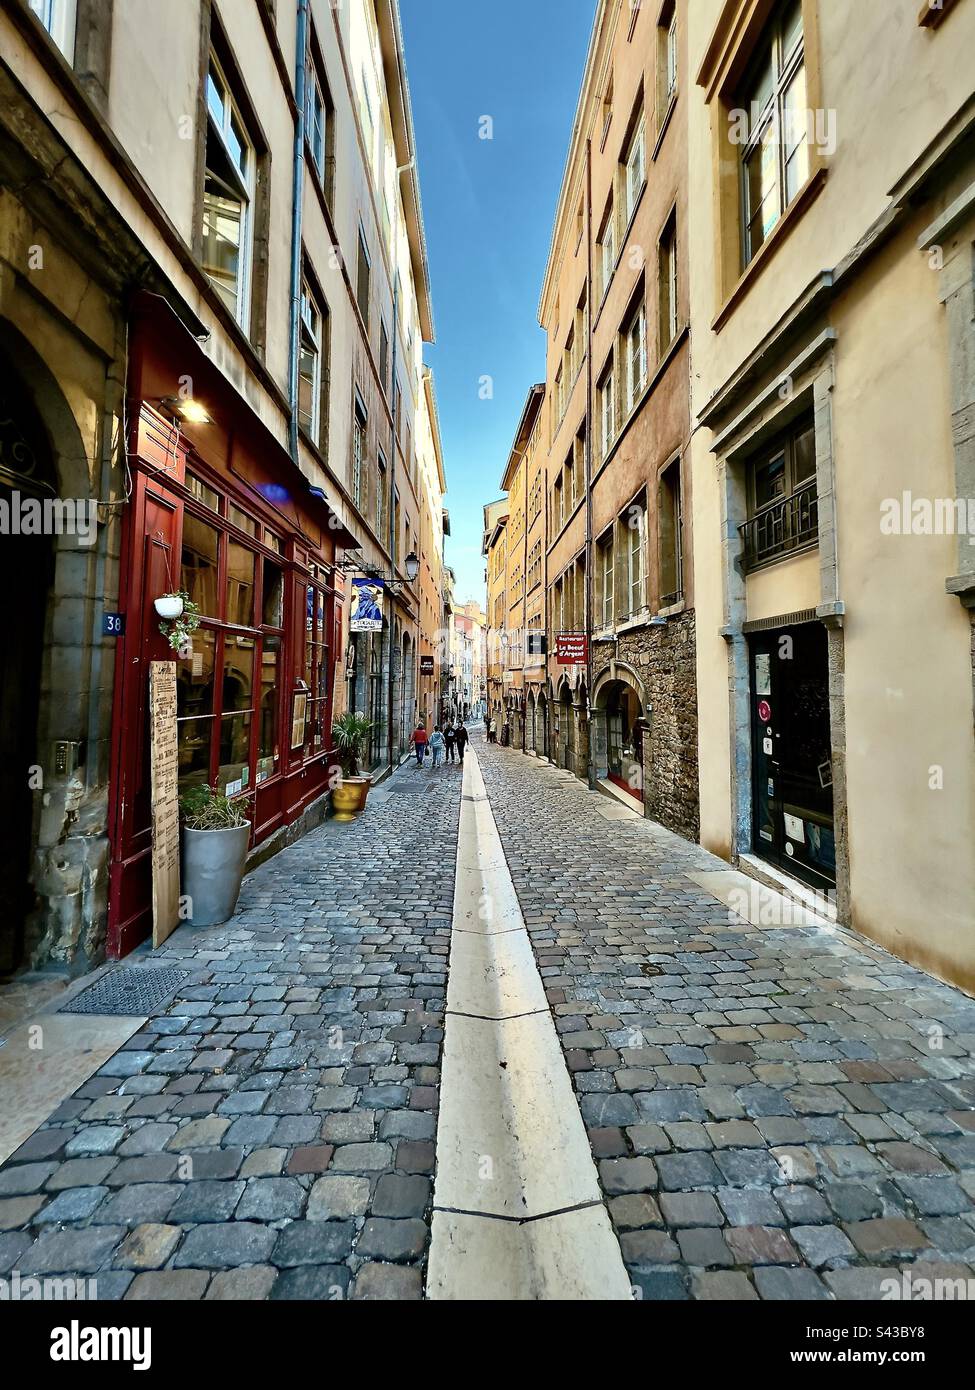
775,1112
270,1133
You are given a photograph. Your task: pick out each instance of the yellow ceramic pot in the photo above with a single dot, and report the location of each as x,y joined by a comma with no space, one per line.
349,798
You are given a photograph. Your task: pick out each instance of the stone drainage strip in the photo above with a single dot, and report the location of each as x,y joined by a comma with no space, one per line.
517,1210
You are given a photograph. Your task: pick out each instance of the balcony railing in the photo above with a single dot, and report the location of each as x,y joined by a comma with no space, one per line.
782,528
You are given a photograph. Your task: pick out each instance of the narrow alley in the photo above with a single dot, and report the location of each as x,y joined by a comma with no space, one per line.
762,1124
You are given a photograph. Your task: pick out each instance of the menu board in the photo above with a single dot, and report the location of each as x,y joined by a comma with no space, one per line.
164,765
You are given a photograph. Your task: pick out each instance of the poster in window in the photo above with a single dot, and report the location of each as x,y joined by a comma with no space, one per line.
298,720
366,614
763,673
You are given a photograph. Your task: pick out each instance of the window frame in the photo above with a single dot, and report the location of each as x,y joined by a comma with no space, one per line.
246,184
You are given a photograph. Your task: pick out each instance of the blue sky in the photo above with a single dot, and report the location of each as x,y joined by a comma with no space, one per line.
488,206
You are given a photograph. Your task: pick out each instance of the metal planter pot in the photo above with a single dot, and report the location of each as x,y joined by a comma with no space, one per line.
213,867
349,797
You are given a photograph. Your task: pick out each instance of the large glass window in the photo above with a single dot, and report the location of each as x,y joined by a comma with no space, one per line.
227,195
775,154
783,505
635,356
199,564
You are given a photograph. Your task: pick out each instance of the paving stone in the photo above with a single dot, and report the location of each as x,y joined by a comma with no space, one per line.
385,1281
648,1248
206,1200
252,1283
169,1285
398,1195
80,1251
270,1199
761,1245
17,1180
148,1246
802,1205
659,1285
724,1286
822,1245
74,1204
203,1133
862,1283
681,1171
313,1243
310,1159
935,1196
886,1235
18,1211
704,1247
687,1209
92,1140
648,1139
263,1163
621,1175
337,1196
745,1208
775,1283
362,1158
634,1211
223,1246
399,1241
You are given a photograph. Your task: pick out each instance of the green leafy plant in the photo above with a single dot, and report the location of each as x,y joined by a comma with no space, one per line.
204,808
350,732
179,631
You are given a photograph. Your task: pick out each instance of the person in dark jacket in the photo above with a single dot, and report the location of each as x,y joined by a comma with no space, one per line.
460,738
450,738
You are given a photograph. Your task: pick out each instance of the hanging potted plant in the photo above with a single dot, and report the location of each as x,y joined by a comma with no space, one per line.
181,619
216,832
349,793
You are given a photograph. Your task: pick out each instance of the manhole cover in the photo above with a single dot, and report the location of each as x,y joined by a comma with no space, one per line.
127,990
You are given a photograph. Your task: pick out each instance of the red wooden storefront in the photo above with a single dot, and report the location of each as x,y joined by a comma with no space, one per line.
217,508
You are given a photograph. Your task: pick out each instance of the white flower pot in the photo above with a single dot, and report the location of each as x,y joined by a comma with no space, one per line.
169,606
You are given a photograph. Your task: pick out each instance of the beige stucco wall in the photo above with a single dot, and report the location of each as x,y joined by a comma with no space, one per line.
892,85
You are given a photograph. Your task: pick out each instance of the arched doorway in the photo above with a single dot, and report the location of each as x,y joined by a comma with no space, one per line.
409,715
542,726
27,476
530,724
620,729
567,730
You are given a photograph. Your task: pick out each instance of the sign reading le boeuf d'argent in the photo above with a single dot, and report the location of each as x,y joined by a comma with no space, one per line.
570,649
164,773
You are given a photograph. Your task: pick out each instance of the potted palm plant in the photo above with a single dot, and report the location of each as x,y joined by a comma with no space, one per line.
350,789
216,832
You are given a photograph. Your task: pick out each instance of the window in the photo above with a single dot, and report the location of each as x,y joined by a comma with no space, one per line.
318,124
775,152
384,358
607,410
559,395
666,61
607,249
634,523
381,497
670,522
605,576
634,356
783,507
227,196
634,162
309,365
58,18
358,449
362,275
667,283
607,111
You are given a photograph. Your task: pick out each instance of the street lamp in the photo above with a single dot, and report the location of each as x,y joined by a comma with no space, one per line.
412,566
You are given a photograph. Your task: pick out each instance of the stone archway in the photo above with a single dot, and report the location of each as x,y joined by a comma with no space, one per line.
619,729
530,723
567,728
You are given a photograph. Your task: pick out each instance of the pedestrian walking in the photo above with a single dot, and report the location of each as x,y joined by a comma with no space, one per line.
461,739
419,743
450,742
438,746
493,731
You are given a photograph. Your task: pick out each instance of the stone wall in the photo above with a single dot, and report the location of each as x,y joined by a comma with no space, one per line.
664,658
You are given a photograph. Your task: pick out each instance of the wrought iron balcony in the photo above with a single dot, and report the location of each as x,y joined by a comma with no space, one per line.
782,528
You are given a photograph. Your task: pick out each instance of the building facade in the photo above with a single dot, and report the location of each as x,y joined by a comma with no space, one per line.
213,300
831,254
608,525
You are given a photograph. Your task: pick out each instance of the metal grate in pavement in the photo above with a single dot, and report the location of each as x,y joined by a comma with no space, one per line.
127,990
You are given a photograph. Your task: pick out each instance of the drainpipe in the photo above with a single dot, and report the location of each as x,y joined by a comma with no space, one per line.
297,189
591,758
393,414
